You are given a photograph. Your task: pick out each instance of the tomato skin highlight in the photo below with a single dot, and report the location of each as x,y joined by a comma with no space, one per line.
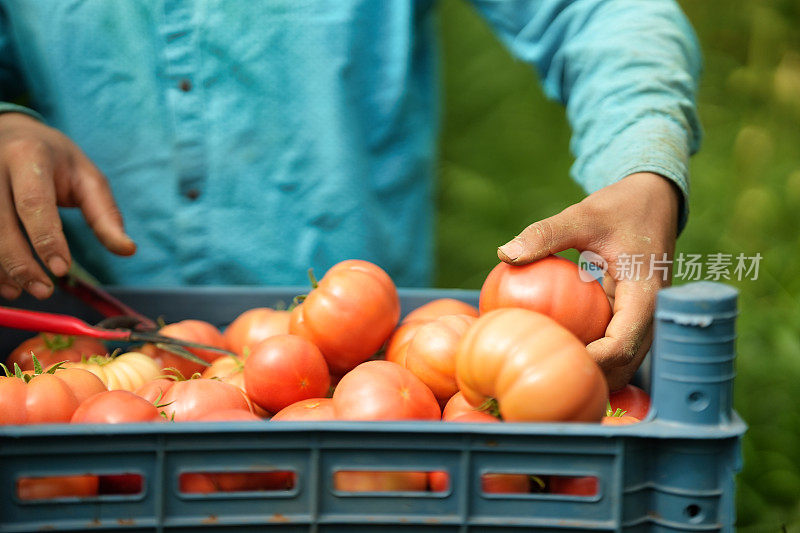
551,286
254,326
350,315
382,390
535,369
631,399
115,407
284,369
194,398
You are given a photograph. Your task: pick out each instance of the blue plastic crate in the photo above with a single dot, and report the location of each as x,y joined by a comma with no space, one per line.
672,472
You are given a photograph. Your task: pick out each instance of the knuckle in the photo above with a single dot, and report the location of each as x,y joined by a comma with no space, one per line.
32,204
44,241
545,232
18,271
27,147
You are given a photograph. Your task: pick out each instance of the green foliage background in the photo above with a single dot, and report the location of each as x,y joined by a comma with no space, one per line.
505,163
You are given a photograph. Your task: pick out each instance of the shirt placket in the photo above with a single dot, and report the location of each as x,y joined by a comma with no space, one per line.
181,55
184,100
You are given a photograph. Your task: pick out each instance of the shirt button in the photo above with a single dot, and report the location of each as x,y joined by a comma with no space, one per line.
185,85
192,194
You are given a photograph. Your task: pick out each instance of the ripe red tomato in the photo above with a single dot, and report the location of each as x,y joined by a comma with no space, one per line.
253,326
285,369
194,398
46,398
52,349
431,353
382,390
534,368
350,314
310,409
551,286
631,399
440,307
187,330
115,407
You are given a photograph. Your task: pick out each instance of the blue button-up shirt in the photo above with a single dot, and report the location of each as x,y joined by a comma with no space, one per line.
246,140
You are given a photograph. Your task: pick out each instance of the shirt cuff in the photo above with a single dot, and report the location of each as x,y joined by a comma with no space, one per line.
654,144
6,107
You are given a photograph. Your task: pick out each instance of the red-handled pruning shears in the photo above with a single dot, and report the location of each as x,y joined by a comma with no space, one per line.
70,325
121,323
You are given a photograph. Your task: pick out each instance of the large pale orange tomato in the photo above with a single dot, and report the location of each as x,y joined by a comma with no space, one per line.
431,353
440,307
187,330
397,345
382,390
350,314
253,326
551,286
51,349
534,368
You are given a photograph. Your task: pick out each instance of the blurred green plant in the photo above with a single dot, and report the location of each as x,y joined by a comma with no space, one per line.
505,162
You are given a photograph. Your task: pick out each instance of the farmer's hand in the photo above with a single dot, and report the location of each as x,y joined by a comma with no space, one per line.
40,169
632,220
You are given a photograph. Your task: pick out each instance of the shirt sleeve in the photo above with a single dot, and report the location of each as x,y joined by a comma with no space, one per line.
627,71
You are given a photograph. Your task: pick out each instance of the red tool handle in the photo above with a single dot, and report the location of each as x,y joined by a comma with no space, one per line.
54,323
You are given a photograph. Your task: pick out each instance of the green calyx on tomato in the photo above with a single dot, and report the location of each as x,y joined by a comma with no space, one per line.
37,370
297,300
58,342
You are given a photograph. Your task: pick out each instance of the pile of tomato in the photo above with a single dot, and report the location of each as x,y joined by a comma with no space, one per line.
343,354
